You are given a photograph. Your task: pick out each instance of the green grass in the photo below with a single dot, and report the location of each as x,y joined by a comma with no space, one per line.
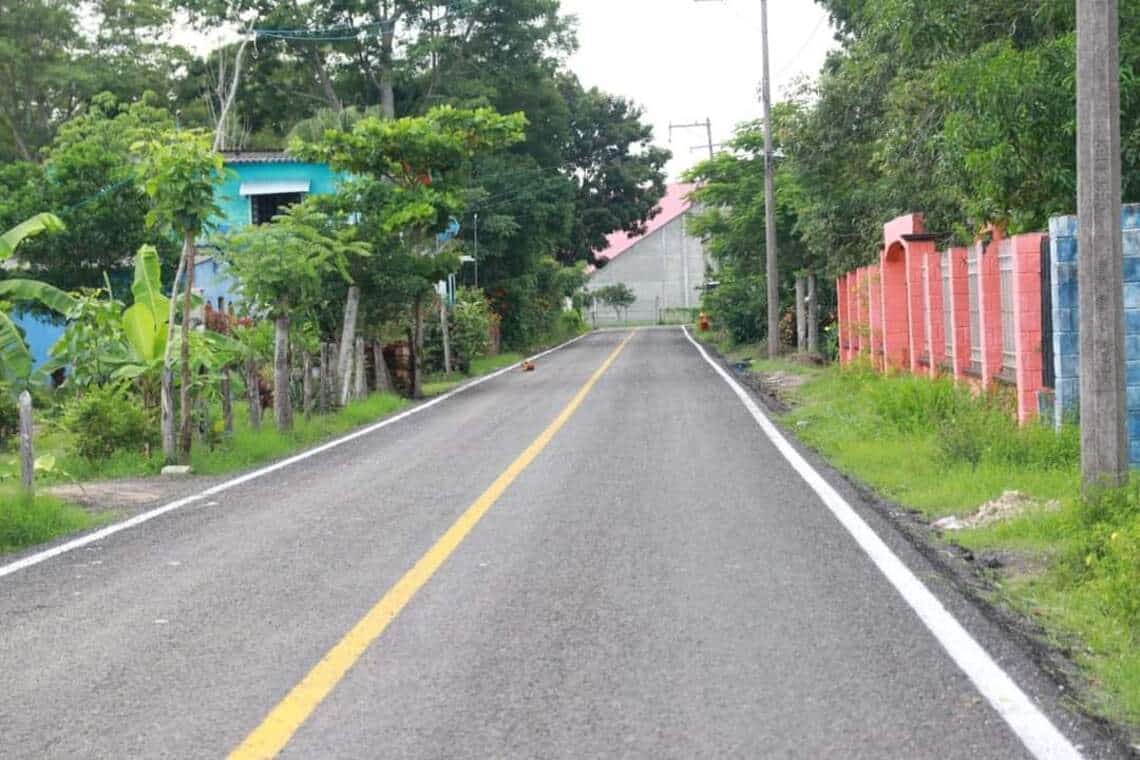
1073,567
26,522
440,383
250,447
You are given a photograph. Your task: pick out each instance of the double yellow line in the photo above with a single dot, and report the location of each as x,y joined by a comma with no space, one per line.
283,721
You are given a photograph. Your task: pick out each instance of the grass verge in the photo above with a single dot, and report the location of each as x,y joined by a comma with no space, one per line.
1071,564
29,521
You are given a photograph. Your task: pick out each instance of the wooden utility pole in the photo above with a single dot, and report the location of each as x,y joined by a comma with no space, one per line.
769,200
1104,432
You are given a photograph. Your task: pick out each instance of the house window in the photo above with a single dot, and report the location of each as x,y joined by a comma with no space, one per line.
947,310
1005,265
975,323
264,207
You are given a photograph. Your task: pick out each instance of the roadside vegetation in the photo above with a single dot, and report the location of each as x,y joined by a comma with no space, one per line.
1068,563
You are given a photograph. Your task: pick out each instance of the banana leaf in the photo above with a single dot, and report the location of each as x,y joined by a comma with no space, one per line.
147,286
34,226
38,292
15,359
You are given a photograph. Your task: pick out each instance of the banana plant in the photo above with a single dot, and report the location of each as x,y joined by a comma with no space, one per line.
15,358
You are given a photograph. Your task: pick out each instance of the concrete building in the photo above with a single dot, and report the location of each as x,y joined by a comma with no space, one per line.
665,267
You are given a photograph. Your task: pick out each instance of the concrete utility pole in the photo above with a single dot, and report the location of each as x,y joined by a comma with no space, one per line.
770,202
1104,419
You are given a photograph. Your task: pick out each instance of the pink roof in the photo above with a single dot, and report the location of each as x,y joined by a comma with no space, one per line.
671,206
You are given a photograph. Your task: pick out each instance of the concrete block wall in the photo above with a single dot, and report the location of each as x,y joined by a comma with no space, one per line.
895,309
1065,292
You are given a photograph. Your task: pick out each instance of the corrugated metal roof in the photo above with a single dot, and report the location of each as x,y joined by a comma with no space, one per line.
258,157
673,204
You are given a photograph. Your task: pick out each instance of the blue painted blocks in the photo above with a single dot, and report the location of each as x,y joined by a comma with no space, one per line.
1063,243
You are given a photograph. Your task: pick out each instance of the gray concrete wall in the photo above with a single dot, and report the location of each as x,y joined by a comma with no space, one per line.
664,269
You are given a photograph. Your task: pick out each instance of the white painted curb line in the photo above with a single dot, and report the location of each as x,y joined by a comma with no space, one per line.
1031,725
139,519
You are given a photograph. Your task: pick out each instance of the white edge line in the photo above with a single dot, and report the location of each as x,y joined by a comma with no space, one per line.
91,538
1032,726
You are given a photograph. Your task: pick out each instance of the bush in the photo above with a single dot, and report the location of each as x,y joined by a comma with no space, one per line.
9,414
105,420
471,324
739,304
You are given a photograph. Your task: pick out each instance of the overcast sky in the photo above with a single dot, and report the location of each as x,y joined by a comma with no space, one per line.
684,60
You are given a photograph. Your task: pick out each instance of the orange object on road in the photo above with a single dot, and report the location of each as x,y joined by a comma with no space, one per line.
704,322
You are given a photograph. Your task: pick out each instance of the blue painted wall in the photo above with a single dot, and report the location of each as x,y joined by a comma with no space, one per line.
235,207
208,272
40,333
1064,250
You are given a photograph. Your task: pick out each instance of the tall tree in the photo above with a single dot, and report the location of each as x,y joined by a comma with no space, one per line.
414,172
180,172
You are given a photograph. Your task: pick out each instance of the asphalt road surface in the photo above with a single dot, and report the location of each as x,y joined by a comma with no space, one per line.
606,557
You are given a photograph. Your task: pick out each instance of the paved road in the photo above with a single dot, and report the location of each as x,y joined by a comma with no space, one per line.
657,583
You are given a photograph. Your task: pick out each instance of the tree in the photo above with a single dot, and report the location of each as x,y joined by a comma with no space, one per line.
618,297
617,169
87,177
280,267
730,219
179,172
413,174
55,55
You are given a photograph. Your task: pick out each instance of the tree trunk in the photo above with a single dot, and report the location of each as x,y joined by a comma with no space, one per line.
347,341
27,454
446,340
801,316
417,347
327,385
227,404
169,442
253,393
307,384
282,404
813,316
387,45
169,446
187,433
380,369
360,379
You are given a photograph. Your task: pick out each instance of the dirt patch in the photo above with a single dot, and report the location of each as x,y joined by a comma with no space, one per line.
129,495
1008,506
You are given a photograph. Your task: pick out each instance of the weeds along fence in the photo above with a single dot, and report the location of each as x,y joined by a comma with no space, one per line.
1001,312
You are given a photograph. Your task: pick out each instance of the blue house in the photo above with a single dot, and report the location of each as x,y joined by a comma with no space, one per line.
258,185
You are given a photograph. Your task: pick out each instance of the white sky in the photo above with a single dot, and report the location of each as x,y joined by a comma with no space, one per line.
684,60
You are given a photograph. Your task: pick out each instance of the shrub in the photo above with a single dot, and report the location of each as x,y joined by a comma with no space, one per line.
472,321
739,303
9,414
105,420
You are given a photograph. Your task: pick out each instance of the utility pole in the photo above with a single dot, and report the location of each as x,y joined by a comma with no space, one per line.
770,201
476,249
1104,418
707,124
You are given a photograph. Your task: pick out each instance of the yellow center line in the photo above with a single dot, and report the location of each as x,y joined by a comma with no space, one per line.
283,721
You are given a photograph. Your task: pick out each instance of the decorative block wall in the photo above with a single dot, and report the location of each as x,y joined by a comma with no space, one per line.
895,312
1064,254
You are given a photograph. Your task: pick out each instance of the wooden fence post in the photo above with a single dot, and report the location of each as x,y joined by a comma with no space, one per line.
227,404
307,383
326,383
253,394
27,454
359,379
